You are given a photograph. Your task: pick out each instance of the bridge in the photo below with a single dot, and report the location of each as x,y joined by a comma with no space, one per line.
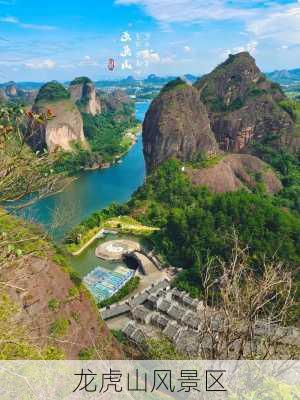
148,263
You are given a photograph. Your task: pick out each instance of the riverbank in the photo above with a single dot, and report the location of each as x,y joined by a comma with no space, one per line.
129,139
121,224
88,243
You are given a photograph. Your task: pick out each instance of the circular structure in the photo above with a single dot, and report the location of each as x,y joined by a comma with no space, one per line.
114,250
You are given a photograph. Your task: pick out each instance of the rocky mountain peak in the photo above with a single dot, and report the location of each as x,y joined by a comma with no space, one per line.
176,125
67,125
83,93
224,112
243,105
228,84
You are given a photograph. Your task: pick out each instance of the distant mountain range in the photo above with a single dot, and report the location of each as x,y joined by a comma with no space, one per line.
129,81
23,85
150,80
283,77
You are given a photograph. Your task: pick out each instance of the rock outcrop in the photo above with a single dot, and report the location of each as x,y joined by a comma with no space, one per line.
66,128
243,105
225,111
83,93
234,172
176,125
118,103
11,90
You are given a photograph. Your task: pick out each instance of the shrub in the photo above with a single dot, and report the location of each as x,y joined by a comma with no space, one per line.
87,353
59,327
54,305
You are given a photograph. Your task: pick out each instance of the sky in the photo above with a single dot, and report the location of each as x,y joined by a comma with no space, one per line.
62,39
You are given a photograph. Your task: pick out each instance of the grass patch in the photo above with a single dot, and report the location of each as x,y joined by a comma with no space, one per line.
203,161
127,224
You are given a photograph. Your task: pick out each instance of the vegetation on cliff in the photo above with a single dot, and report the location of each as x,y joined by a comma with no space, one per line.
107,140
81,80
175,84
52,91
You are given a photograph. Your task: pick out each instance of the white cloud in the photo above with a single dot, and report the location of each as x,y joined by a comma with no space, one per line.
282,25
251,47
9,20
263,20
16,21
195,10
187,49
148,57
38,27
40,64
167,60
88,62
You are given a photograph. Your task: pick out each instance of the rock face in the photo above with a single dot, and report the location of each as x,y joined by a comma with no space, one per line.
176,125
67,125
3,96
47,282
83,93
11,90
118,103
242,104
234,172
44,297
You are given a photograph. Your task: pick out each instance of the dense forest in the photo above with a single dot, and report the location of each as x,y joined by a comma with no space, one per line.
197,225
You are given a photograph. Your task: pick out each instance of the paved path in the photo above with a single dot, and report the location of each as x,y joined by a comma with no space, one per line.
88,243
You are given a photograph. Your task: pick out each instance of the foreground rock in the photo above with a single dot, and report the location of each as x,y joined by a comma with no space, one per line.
234,172
49,313
44,283
65,128
176,125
